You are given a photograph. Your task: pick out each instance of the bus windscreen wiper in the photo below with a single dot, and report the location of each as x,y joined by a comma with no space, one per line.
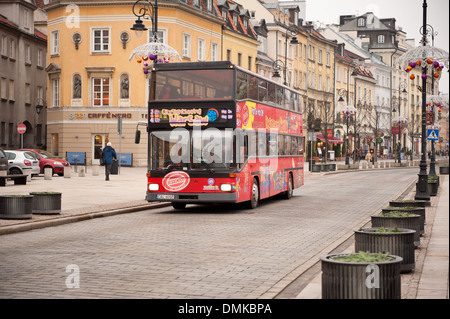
204,163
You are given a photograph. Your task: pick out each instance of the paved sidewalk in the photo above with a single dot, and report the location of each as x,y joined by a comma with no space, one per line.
430,278
91,196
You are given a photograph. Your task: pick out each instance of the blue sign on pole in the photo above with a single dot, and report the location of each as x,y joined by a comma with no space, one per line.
432,135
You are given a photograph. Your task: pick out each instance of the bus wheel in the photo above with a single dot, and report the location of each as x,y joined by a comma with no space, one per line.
288,194
254,201
177,205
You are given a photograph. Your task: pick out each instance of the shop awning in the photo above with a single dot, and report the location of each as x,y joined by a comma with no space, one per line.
332,140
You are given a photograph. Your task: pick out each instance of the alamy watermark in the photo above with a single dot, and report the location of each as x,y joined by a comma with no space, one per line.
73,279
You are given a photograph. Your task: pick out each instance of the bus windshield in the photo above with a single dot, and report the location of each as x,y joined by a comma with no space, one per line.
176,85
193,150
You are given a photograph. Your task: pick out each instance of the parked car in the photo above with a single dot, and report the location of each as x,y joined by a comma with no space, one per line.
48,160
21,161
3,161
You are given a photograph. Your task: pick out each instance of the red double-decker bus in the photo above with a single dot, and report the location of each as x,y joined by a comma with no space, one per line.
218,133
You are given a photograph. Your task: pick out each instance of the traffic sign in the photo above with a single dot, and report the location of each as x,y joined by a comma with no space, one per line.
432,135
21,128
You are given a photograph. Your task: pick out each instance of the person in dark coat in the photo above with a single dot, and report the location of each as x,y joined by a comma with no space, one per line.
109,154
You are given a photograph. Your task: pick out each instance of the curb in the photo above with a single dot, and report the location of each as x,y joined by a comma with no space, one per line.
78,218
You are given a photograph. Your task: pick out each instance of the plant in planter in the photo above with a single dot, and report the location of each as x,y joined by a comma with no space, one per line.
407,203
412,210
399,219
46,203
396,241
16,206
361,275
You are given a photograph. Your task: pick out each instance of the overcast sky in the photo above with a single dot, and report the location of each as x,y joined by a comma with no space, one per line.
408,15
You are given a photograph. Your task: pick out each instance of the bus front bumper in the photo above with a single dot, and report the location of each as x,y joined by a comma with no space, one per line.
193,197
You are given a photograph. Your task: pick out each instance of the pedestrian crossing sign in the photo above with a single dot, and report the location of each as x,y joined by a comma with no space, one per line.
432,135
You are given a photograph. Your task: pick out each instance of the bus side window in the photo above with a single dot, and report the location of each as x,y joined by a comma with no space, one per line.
287,99
271,93
253,87
262,90
280,96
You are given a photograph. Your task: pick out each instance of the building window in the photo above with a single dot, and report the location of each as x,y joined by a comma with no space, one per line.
101,40
26,21
55,43
361,22
12,49
27,54
224,14
3,89
100,91
328,59
161,35
381,39
27,93
250,63
320,57
186,45
228,55
201,50
11,90
55,92
214,52
209,5
4,46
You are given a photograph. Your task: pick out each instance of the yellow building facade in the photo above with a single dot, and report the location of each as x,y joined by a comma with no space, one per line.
92,82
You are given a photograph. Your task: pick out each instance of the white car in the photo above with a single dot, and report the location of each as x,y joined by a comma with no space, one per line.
21,161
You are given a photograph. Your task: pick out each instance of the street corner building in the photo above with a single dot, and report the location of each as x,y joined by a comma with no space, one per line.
92,82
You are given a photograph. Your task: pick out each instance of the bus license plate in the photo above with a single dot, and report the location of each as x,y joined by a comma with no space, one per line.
158,196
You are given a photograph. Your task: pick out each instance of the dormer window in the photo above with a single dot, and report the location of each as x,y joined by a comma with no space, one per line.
209,5
235,19
361,22
245,21
381,39
224,14
196,3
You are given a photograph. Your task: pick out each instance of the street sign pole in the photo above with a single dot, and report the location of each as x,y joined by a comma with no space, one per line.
119,131
21,129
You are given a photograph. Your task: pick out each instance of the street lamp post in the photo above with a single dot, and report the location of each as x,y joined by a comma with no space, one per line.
348,112
422,185
276,64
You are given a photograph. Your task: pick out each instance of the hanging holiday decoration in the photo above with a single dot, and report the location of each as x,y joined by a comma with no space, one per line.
154,51
399,121
427,56
347,112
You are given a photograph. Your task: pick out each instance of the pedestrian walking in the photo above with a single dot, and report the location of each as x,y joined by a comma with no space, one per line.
368,157
109,155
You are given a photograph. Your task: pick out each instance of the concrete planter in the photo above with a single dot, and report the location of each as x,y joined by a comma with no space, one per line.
395,243
433,188
316,168
409,222
332,167
412,210
407,203
16,206
46,203
350,280
443,170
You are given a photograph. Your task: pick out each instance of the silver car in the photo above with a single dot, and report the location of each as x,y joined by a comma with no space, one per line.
21,161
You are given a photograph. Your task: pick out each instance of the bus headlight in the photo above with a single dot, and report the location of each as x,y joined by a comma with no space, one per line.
153,187
225,187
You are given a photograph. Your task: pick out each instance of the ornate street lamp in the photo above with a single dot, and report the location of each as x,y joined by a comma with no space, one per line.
40,105
347,112
422,56
277,65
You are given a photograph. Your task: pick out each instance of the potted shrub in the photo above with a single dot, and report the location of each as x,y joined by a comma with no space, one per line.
412,210
16,206
443,169
46,203
396,241
361,275
433,184
399,219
